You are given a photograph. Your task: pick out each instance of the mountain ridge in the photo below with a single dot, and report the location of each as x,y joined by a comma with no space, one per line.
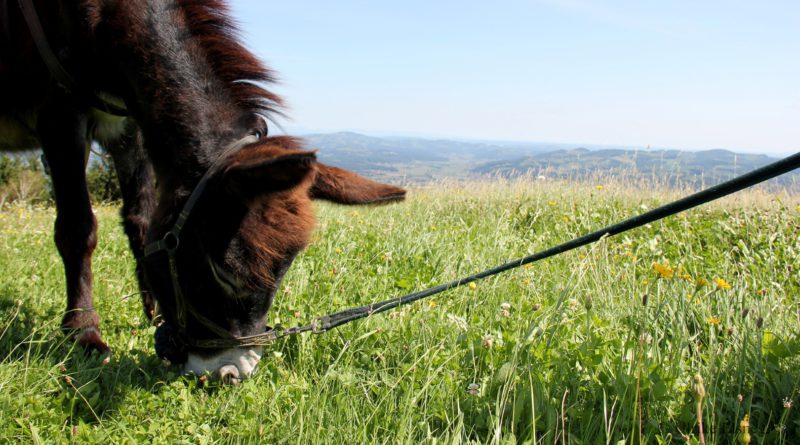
420,160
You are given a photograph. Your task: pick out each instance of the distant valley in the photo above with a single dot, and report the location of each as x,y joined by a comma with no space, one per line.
418,160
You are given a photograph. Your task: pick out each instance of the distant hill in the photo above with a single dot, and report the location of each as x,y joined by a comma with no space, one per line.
669,166
421,160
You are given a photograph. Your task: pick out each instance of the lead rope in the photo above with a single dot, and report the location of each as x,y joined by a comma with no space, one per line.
330,321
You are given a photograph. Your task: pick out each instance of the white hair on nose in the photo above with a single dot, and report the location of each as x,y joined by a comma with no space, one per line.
231,365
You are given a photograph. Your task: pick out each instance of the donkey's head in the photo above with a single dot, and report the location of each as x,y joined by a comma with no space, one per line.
215,280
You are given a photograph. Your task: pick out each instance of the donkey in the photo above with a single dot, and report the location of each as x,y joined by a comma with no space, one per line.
192,155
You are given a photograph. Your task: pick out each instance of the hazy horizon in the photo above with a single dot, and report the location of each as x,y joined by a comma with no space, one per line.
303,131
682,75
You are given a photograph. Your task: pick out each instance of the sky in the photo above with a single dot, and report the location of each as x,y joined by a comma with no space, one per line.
678,74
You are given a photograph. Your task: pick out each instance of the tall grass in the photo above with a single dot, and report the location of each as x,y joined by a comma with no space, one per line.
599,345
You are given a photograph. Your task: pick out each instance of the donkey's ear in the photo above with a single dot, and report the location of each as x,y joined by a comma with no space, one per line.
345,187
268,167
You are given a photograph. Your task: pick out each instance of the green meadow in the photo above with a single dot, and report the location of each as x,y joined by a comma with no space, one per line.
602,345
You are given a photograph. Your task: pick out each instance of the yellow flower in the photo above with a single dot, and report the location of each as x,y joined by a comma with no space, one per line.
431,304
473,286
722,284
713,321
565,219
551,203
599,187
663,270
702,282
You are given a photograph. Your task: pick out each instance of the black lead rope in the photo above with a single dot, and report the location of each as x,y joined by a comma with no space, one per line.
330,321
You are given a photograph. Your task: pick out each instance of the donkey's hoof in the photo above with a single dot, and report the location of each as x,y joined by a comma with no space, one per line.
90,341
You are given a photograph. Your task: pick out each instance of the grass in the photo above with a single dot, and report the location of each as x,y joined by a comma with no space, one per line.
599,345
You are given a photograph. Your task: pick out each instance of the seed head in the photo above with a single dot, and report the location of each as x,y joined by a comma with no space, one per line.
698,388
488,341
744,427
473,388
787,403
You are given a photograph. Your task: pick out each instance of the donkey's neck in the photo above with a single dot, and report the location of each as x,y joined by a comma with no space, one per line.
185,110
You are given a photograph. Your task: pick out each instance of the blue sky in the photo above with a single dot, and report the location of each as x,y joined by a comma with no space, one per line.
682,74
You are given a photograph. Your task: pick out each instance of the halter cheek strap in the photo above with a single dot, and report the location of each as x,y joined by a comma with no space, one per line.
170,243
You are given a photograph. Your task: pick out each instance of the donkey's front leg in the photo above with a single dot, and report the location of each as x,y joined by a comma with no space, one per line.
137,184
62,130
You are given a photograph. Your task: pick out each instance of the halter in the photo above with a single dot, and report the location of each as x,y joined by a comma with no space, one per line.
170,243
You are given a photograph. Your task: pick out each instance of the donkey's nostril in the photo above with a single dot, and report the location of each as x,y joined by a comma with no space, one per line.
229,375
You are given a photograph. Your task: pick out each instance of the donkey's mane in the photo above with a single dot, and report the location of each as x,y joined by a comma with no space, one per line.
213,30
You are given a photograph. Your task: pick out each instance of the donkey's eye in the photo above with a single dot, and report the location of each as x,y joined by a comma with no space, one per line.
258,134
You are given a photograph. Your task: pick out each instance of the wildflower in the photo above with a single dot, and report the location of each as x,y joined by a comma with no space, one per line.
473,388
338,250
761,292
787,403
701,282
599,187
663,270
713,321
488,341
572,304
587,302
739,398
473,286
646,338
432,304
505,306
565,219
551,203
722,284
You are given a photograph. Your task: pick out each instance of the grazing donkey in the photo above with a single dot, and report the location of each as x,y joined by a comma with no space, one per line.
215,211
